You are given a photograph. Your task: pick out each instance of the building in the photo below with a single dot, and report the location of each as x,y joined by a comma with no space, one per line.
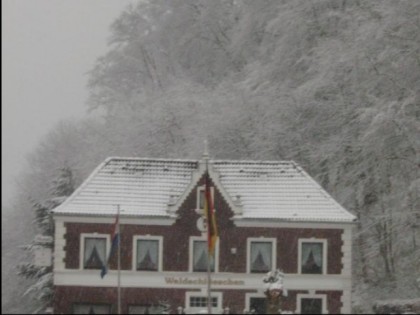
270,215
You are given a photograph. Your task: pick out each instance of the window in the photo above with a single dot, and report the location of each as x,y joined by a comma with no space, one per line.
147,253
196,302
93,250
201,196
145,309
91,309
198,255
201,301
311,304
257,305
261,255
312,258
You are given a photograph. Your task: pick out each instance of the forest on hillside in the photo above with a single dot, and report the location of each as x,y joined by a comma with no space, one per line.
330,84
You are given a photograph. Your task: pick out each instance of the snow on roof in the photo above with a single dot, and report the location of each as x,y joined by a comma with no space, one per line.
278,190
146,187
140,186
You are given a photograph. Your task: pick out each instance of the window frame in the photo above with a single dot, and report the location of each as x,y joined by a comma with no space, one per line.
251,240
249,296
191,253
202,189
160,251
83,237
301,296
195,309
324,243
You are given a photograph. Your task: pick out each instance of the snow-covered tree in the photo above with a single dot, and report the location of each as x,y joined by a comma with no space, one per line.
331,84
42,273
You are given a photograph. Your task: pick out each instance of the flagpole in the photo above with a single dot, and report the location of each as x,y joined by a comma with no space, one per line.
119,261
208,244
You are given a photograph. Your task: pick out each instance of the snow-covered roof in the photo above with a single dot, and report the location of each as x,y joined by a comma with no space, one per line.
278,190
140,186
148,187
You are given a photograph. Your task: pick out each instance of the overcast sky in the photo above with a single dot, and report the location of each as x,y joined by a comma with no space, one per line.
47,48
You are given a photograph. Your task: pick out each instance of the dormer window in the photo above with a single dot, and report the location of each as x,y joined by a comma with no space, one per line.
201,197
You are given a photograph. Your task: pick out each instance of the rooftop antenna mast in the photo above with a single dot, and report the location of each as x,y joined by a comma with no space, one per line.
206,150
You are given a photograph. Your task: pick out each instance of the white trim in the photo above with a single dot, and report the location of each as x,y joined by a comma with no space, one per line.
346,300
248,297
301,296
195,177
59,253
191,254
214,175
148,238
346,271
195,280
83,236
195,310
271,240
346,249
100,219
279,223
324,253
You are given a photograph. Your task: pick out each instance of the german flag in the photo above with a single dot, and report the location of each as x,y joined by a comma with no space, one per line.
210,218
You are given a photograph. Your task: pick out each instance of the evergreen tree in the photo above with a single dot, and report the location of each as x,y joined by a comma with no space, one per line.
62,187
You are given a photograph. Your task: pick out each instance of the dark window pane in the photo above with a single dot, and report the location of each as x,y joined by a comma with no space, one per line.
94,253
257,305
200,257
147,255
261,256
312,258
311,306
201,199
200,301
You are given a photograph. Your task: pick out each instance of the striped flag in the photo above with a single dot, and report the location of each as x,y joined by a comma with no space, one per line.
210,217
115,242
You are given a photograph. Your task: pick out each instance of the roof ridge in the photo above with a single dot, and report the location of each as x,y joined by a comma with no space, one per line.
109,159
255,161
197,160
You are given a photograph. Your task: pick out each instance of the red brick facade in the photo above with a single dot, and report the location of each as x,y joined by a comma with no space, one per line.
176,258
131,296
176,240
